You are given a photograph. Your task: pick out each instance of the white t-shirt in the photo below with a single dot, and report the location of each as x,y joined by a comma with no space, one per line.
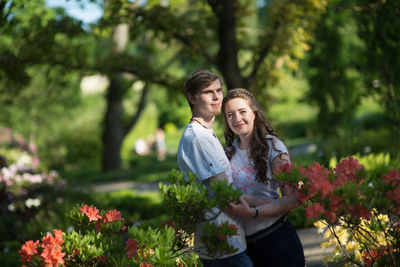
244,176
201,152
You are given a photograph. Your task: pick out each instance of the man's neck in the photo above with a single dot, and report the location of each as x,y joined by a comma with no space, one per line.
205,121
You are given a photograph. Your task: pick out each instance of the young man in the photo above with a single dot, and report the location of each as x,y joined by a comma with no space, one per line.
201,153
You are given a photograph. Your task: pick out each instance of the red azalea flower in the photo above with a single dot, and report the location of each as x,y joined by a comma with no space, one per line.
98,227
312,212
112,216
393,177
171,224
372,256
222,237
303,197
145,264
331,216
131,248
92,213
287,167
234,227
394,195
359,211
28,250
335,202
321,184
348,167
103,259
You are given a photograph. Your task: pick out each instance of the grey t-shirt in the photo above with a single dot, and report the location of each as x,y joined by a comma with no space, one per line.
244,174
201,153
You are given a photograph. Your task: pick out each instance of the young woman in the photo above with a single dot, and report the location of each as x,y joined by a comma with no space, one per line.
255,152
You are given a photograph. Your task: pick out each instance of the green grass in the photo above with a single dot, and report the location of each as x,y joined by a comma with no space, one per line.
139,169
133,205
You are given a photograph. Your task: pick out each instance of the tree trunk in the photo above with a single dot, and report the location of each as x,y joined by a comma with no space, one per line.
114,133
227,61
113,128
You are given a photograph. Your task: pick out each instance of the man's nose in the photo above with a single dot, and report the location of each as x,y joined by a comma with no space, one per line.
217,95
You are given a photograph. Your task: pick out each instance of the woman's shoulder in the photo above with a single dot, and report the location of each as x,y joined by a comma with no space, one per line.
272,138
276,143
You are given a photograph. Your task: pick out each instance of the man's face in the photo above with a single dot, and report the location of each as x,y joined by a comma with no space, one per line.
209,100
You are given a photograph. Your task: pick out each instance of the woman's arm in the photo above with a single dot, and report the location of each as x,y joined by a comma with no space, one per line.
266,206
271,208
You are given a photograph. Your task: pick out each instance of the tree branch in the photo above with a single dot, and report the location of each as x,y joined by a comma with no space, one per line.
264,52
139,110
155,77
186,41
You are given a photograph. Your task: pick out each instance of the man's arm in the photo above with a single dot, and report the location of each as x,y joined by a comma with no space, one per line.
218,177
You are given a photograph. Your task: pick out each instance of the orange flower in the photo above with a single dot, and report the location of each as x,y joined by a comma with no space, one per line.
28,250
112,216
131,248
52,256
91,212
145,264
50,241
58,234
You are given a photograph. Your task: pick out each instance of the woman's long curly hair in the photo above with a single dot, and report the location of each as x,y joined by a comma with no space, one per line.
259,147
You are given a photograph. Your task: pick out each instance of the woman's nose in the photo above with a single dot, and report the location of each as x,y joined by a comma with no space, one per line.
237,117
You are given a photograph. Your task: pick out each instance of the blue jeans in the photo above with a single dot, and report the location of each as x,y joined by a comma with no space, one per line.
281,248
238,260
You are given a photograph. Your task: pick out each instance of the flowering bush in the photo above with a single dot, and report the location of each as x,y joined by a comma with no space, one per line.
191,204
100,238
27,195
21,185
364,203
22,189
15,150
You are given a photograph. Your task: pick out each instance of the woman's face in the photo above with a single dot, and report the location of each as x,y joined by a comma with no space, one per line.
240,117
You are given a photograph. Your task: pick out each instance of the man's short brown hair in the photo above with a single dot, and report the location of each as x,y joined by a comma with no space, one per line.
199,80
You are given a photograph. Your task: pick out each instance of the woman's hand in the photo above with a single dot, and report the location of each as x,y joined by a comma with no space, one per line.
241,208
290,193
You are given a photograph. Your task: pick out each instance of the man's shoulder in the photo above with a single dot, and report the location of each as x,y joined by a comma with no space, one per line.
192,133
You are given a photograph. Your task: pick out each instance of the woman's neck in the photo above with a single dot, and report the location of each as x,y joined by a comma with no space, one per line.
244,142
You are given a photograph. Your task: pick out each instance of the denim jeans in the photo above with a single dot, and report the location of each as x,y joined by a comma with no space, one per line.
238,260
281,248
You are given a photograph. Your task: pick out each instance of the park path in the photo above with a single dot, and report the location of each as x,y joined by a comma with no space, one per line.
310,238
